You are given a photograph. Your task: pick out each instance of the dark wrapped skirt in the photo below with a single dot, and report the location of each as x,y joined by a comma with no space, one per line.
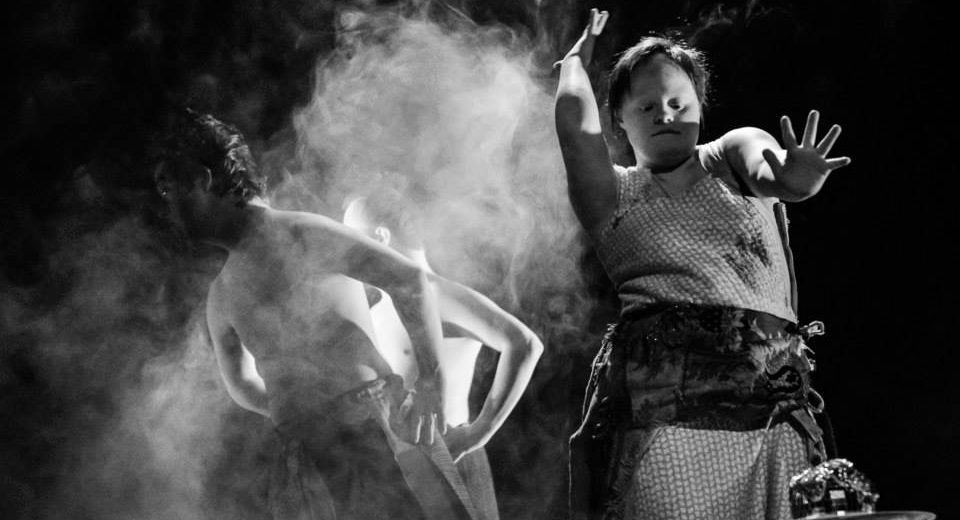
695,367
344,462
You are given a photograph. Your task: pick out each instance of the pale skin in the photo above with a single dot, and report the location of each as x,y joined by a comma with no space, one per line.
470,320
660,115
288,316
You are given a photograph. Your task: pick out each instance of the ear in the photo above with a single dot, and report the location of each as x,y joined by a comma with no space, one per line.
618,120
382,233
206,179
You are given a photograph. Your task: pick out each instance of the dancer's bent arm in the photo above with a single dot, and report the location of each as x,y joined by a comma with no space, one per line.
467,313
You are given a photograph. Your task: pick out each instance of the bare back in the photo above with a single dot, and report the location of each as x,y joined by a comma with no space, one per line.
307,326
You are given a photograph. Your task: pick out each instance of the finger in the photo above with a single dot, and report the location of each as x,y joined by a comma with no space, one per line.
838,162
772,160
464,451
433,429
810,131
599,22
417,431
786,131
393,439
828,140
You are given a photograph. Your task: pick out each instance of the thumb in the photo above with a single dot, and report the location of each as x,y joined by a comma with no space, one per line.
458,457
775,165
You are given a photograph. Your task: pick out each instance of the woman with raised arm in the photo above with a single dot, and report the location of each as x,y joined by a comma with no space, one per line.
699,403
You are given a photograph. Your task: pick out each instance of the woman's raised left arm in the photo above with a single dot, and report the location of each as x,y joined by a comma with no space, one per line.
791,173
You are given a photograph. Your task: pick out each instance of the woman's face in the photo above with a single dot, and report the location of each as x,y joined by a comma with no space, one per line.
661,114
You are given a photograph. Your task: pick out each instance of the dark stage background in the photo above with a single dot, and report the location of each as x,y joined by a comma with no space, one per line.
108,409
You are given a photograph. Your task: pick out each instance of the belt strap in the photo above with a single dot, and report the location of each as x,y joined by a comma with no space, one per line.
780,213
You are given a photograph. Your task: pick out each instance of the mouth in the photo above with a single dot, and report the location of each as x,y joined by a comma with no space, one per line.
666,132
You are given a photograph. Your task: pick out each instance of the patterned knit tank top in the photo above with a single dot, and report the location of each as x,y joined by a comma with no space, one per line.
711,245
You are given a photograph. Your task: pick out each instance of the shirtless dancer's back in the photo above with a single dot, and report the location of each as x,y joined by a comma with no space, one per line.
306,324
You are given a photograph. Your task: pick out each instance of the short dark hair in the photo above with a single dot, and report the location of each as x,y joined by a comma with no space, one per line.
689,59
197,138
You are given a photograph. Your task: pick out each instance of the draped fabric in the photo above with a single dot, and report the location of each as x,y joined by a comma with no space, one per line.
344,462
693,368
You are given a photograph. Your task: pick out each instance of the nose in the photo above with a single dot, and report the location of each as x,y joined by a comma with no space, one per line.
665,115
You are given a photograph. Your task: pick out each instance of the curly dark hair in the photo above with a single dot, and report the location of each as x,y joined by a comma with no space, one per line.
201,139
689,59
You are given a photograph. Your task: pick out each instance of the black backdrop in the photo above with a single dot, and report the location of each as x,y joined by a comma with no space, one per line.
85,82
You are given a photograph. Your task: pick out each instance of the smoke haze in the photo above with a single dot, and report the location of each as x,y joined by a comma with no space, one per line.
112,403
146,429
138,411
460,117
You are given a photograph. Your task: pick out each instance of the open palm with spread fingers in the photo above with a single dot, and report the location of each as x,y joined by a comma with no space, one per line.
805,163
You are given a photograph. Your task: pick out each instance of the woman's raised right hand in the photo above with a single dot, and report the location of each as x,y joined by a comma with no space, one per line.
584,46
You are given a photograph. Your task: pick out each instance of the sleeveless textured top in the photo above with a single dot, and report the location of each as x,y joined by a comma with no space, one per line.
711,245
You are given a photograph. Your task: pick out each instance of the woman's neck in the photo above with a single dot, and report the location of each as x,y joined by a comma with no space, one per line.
665,166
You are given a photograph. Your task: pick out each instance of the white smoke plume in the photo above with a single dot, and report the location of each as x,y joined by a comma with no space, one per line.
463,115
